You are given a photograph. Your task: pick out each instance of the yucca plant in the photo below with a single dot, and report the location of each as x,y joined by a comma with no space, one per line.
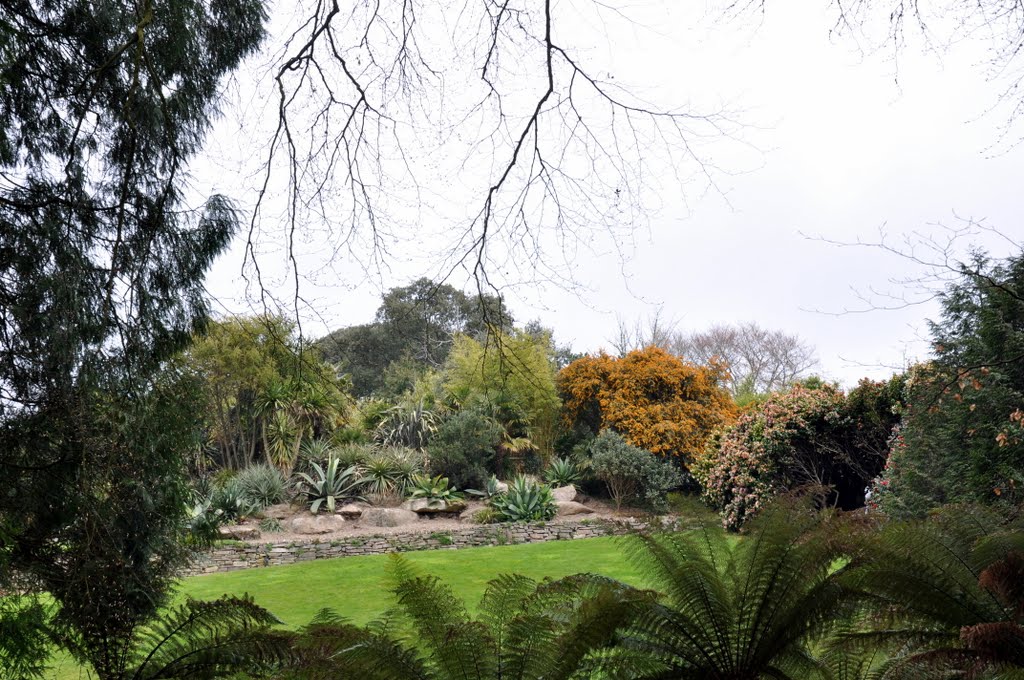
317,451
230,503
523,631
408,465
261,485
943,597
562,472
408,426
525,501
329,485
736,610
379,476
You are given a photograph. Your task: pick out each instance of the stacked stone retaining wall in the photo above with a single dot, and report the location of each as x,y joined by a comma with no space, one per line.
254,555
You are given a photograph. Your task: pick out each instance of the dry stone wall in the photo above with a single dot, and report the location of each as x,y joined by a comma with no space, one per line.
251,555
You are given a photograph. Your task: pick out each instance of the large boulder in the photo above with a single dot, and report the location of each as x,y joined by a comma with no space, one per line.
388,517
238,532
502,487
279,511
351,511
426,508
564,493
570,508
316,524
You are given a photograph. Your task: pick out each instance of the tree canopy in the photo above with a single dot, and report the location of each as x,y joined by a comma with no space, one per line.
657,401
413,331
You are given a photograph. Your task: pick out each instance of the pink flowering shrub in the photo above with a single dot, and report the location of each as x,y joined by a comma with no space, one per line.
811,435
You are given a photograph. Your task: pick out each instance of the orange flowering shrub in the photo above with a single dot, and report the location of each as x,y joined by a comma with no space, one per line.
653,398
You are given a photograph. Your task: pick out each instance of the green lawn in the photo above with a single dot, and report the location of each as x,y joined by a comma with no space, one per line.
358,586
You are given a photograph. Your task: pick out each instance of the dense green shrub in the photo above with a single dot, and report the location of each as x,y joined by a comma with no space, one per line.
463,448
261,485
525,501
632,475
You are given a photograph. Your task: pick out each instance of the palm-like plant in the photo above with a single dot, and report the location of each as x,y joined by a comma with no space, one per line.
943,597
524,631
380,477
732,610
330,485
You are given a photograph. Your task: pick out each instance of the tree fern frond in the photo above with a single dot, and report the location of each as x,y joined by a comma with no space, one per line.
208,640
330,647
743,611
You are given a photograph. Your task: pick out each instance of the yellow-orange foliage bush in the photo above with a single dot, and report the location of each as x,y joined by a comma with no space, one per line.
653,398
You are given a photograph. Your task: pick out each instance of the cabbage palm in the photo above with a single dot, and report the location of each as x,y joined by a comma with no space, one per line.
524,630
733,610
944,597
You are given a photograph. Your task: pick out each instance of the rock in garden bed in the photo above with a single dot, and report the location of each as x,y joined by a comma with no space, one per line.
564,493
570,508
238,532
430,509
388,517
316,524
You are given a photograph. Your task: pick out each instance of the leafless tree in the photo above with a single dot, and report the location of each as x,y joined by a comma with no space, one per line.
491,128
655,331
759,360
387,108
938,25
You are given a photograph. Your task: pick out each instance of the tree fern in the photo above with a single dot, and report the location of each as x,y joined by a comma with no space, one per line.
733,610
200,640
524,630
943,597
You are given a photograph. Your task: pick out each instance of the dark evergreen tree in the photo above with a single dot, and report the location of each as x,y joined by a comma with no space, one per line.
102,104
962,435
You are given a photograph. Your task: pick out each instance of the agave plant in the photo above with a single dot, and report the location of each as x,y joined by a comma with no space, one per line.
491,490
330,485
742,610
525,501
436,489
562,472
524,631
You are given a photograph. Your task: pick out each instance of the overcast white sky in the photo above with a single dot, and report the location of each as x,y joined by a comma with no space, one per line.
844,148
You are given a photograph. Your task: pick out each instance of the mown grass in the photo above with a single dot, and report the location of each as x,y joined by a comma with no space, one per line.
359,587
